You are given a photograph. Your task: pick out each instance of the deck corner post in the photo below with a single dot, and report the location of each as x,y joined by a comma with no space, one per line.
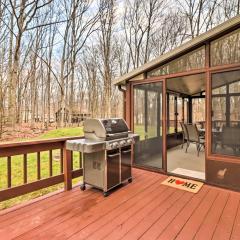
67,166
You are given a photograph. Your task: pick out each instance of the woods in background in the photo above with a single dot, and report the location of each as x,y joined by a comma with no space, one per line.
58,58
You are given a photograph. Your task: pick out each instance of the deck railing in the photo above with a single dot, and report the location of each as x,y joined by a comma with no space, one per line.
8,151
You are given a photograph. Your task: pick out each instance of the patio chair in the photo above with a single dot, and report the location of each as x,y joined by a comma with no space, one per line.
184,132
194,137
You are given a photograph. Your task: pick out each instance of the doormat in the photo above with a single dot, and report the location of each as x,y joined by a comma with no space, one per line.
183,184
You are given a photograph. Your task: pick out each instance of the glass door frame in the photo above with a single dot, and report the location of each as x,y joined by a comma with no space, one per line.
164,119
213,156
189,115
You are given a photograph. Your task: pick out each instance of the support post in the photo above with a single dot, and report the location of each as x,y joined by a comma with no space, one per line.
128,106
189,110
168,113
146,114
175,114
67,167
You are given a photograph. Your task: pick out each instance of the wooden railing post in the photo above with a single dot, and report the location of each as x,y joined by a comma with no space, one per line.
67,167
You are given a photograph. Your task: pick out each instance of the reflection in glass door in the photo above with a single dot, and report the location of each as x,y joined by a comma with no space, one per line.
148,124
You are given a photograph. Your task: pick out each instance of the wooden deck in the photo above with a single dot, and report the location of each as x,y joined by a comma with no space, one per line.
144,209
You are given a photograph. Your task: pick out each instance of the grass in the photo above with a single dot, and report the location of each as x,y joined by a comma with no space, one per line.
152,131
62,132
17,167
140,129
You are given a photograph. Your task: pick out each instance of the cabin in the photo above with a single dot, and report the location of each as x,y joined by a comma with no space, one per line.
77,115
185,107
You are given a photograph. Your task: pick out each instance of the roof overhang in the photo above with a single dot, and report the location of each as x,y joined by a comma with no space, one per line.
217,31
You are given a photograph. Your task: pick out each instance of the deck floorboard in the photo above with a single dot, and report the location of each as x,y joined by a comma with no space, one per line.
144,209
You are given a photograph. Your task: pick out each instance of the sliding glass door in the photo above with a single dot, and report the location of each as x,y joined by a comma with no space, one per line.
148,124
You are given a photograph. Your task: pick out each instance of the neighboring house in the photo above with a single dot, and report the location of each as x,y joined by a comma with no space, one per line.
77,115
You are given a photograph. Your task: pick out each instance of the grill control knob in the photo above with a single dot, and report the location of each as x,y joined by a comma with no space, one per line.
115,145
129,141
122,143
111,146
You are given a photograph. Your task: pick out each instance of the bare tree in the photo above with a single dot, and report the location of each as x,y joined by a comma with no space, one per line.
200,14
23,13
107,15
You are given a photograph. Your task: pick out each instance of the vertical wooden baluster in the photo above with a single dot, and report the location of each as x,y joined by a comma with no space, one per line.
61,161
9,172
50,163
38,166
80,160
71,160
25,168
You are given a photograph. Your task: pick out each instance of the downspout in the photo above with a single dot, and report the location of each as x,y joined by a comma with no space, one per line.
124,100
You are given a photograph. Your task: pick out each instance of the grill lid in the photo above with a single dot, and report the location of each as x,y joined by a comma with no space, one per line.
105,129
114,125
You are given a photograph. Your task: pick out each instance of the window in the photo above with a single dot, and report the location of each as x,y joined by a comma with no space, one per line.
152,100
219,90
187,62
218,112
226,50
139,112
174,113
226,113
171,114
234,111
234,87
198,110
179,113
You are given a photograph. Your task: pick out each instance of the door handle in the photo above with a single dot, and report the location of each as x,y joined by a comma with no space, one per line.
127,151
113,155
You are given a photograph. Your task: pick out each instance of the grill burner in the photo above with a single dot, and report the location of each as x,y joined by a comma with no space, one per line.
107,152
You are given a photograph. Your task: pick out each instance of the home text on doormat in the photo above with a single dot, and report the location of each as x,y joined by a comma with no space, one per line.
183,184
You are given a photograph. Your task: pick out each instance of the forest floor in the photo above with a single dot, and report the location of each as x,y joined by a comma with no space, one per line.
17,166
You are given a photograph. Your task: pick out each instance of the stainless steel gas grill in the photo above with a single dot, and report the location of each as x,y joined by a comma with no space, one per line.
107,153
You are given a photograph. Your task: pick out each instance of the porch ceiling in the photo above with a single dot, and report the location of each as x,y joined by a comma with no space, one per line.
188,85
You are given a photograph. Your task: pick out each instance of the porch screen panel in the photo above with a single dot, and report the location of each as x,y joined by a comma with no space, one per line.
226,50
226,113
190,61
171,127
180,116
139,113
152,100
148,124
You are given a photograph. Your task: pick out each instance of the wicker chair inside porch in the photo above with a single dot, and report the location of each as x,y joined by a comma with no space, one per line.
184,132
194,137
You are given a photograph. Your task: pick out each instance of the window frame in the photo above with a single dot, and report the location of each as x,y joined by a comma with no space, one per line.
210,155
